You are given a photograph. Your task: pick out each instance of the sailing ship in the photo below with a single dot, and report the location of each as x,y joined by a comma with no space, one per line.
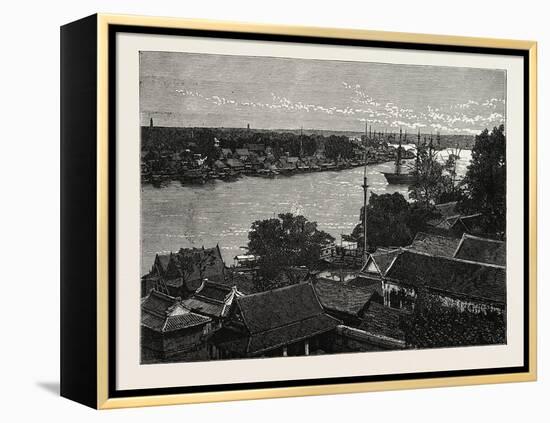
397,177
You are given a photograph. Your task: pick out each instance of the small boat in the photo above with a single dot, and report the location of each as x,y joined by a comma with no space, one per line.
267,173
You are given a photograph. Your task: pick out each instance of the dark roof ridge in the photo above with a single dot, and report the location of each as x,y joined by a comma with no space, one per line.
465,235
219,284
431,236
255,294
479,263
163,295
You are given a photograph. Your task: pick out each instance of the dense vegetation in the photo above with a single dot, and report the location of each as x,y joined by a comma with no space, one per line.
485,182
435,326
391,221
287,240
201,141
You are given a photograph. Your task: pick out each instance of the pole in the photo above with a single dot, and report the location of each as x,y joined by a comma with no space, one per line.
365,187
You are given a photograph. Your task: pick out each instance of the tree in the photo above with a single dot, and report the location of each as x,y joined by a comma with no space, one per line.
391,221
485,180
430,182
191,261
287,240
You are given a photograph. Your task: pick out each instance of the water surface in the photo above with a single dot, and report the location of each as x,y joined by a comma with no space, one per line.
218,212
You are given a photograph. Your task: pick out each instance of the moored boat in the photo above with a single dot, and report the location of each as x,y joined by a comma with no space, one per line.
397,177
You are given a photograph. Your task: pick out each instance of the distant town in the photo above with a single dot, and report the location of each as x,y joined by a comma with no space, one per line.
197,155
428,271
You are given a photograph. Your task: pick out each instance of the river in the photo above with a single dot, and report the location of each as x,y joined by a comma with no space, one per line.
176,216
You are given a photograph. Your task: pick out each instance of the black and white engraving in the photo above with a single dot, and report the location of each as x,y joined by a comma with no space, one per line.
295,207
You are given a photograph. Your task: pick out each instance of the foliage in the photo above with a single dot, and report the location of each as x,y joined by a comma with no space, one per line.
431,183
191,260
485,180
201,141
391,221
287,240
338,147
436,326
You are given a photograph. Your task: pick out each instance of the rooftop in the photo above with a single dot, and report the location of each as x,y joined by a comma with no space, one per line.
481,249
383,258
434,244
279,307
381,320
212,299
163,313
342,298
478,280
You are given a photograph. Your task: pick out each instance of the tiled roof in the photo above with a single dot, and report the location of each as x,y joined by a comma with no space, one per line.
342,298
204,307
381,320
367,284
450,275
213,291
210,299
172,266
182,321
434,244
294,332
447,215
482,250
163,313
279,307
244,344
157,302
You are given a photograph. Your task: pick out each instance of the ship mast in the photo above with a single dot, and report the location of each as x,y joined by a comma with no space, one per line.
301,144
365,188
398,155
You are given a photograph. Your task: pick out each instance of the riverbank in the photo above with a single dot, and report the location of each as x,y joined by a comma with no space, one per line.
234,169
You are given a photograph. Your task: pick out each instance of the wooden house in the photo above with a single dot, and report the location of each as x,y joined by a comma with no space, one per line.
285,321
170,331
450,282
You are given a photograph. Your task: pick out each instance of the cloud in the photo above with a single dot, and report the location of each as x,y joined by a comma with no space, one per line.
468,117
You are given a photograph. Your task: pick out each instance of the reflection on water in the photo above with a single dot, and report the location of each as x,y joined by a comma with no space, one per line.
176,216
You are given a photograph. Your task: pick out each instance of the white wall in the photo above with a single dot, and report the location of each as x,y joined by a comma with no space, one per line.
29,97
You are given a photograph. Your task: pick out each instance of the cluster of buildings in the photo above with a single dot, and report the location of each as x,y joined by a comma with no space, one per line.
194,307
254,159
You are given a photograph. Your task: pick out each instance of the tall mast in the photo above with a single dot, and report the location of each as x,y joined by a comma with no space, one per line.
398,155
365,187
301,146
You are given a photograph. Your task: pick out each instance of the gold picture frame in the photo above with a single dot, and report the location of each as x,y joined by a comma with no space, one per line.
95,35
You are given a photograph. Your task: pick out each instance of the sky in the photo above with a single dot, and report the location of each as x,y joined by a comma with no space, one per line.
209,90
